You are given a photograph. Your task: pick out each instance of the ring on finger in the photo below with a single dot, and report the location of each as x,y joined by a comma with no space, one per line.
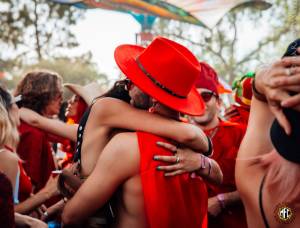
177,159
46,214
289,72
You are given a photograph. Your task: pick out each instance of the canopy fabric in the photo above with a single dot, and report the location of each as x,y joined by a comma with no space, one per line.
199,12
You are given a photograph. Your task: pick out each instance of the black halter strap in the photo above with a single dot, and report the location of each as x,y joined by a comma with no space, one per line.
157,83
261,203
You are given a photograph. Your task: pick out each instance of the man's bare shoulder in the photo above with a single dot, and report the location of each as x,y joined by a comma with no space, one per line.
122,151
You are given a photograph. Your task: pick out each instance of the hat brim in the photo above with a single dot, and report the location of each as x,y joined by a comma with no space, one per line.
125,57
76,89
79,91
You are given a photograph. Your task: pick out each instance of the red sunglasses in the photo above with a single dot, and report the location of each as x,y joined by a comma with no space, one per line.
207,95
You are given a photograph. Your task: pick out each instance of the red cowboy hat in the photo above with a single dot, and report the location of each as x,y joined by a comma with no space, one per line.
166,71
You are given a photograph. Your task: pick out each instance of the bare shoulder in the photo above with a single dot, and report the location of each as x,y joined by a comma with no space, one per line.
8,158
122,151
108,103
123,144
8,161
106,108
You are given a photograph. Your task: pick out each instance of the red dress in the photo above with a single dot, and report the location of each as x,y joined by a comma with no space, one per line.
170,202
7,216
34,149
25,186
226,139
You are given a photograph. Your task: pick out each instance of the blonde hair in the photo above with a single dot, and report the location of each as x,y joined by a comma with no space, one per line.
8,130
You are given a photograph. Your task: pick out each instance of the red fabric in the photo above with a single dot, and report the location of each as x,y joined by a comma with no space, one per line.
246,86
238,114
170,202
208,78
81,108
34,149
25,187
226,142
166,61
7,217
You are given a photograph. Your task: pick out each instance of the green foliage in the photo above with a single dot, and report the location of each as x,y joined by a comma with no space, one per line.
76,70
36,29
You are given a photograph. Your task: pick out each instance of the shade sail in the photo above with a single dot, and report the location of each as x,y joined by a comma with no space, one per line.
199,12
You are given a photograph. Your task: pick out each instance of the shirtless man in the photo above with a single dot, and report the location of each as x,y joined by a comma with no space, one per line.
122,166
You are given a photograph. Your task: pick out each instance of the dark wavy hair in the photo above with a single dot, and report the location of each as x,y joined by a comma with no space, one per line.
38,89
118,91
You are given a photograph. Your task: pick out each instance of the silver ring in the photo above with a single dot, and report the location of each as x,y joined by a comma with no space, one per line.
46,214
177,159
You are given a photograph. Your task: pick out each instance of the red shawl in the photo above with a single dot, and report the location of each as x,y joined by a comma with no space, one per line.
170,202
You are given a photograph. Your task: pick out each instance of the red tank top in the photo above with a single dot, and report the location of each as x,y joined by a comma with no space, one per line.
25,185
170,202
25,188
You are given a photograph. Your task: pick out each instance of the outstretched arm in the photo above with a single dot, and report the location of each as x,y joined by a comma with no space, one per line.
120,160
53,126
117,114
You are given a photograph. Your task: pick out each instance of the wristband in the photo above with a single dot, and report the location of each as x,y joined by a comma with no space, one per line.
259,96
210,147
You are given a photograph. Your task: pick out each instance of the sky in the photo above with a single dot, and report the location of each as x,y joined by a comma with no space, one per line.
100,32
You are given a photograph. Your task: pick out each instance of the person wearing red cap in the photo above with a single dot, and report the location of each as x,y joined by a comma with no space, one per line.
224,206
239,112
148,198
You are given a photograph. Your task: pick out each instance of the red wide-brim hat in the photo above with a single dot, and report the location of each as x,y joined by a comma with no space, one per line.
126,58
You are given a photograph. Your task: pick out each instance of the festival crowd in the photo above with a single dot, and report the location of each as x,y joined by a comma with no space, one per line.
158,149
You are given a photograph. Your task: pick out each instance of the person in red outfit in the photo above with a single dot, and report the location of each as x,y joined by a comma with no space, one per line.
224,205
41,91
239,112
149,199
10,163
77,105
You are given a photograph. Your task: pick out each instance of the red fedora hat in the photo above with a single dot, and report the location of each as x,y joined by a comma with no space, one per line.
166,71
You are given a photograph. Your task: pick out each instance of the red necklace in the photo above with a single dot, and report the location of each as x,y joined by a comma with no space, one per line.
8,148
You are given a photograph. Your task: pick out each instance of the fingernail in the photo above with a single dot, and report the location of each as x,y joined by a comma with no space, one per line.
155,158
158,168
158,143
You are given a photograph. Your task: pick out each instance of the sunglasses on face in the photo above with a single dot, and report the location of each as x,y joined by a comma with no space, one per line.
207,95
